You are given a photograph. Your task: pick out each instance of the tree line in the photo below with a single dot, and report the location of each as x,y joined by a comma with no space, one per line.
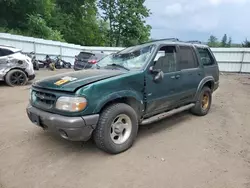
83,22
225,42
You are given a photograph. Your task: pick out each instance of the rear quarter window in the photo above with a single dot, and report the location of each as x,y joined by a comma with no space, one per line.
206,57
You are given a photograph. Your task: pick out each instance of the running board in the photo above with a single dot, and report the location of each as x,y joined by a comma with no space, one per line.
166,114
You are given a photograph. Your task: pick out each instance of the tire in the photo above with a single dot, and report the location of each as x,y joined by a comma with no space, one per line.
112,122
201,107
16,77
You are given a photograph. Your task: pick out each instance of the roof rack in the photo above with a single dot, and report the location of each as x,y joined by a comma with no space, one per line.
194,41
166,39
174,40
170,39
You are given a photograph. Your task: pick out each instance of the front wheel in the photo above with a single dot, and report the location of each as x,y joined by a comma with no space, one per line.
203,103
117,128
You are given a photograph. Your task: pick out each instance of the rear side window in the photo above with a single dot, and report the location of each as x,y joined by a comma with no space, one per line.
5,52
206,57
187,58
84,55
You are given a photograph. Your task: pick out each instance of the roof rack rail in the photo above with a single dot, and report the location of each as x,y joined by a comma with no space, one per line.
194,41
169,39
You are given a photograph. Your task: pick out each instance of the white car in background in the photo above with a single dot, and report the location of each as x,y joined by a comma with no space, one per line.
16,68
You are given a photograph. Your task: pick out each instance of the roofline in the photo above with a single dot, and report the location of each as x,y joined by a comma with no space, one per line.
10,48
176,41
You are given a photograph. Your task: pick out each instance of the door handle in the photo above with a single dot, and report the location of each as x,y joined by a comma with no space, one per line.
175,76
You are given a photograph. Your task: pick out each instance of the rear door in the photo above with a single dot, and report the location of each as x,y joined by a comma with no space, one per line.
191,73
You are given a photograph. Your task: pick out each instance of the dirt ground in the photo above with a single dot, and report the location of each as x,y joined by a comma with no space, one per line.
183,151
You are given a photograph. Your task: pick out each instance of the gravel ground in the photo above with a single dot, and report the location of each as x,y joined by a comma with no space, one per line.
182,151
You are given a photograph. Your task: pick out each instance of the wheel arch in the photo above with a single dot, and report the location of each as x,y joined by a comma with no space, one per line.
130,98
207,81
16,68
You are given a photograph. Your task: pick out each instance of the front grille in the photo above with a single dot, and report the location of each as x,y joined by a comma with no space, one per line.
43,99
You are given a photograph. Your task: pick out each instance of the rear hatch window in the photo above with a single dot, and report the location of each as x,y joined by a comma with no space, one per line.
84,55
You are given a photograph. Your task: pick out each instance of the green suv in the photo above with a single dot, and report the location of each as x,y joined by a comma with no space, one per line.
138,85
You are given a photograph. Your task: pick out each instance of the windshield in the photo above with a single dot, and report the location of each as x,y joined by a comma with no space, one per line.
130,58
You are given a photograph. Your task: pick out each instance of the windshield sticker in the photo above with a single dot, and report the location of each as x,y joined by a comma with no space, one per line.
65,80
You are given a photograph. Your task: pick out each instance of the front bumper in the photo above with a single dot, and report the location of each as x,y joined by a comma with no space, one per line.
70,128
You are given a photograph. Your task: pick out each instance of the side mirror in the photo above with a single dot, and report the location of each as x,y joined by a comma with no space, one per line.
159,77
157,74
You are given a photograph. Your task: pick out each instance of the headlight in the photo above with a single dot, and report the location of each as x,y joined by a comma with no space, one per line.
71,104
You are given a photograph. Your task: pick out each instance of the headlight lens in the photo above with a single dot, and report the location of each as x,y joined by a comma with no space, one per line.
71,104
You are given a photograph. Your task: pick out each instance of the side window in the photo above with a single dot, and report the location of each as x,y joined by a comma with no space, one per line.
187,58
4,52
166,59
1,53
205,57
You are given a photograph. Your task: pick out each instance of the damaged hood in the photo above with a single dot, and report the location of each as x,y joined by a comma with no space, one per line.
73,80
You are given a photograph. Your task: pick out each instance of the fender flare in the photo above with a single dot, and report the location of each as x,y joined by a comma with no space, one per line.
118,95
202,83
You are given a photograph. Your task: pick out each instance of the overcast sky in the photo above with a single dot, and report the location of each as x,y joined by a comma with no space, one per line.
198,19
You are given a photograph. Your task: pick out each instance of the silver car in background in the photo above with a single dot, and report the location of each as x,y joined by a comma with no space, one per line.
16,68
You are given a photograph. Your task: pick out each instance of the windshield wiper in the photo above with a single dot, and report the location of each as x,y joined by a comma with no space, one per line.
120,66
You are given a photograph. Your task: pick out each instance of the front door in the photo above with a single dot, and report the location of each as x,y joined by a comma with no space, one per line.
162,95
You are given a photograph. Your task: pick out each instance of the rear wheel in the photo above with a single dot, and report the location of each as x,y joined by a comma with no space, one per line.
16,77
203,103
117,128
